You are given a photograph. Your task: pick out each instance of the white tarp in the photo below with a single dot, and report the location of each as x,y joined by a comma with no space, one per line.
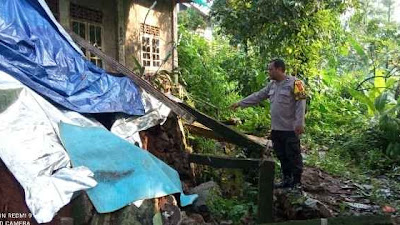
128,128
31,150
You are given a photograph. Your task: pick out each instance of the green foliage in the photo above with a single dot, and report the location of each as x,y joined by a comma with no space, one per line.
138,69
386,111
190,19
351,68
255,120
202,66
346,72
330,161
204,145
233,208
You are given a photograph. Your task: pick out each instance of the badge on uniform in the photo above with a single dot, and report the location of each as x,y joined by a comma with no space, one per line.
299,90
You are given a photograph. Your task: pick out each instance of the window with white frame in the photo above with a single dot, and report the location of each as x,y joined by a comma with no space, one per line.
150,50
87,24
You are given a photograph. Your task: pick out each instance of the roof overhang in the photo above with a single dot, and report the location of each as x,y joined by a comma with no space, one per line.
200,2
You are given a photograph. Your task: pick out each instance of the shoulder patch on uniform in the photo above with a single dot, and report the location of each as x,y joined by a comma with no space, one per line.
299,90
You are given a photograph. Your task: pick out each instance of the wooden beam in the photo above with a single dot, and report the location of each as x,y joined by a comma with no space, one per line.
138,80
225,162
266,192
203,131
222,130
260,140
347,220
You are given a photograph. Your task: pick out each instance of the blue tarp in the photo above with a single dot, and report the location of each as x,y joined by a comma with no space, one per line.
34,51
125,173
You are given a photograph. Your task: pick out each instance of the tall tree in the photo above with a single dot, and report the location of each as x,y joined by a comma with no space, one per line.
295,30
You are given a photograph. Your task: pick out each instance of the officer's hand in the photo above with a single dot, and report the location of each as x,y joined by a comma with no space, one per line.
234,106
299,130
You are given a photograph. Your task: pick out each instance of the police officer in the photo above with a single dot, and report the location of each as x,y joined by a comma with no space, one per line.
287,97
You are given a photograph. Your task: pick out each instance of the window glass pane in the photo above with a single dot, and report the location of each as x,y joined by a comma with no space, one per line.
92,33
98,36
92,38
150,49
82,30
75,27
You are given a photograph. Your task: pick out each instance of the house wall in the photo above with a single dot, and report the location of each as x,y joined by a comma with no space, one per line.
161,16
121,27
110,21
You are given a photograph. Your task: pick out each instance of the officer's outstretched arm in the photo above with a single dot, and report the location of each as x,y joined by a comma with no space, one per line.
255,98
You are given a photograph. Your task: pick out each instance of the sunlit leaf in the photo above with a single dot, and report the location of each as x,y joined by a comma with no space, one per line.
379,80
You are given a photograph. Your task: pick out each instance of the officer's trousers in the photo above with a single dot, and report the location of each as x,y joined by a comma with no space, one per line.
286,145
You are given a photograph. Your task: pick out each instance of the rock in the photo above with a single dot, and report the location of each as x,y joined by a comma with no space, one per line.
226,222
82,209
358,205
204,191
129,215
66,221
171,214
385,192
294,206
319,207
189,219
368,187
167,142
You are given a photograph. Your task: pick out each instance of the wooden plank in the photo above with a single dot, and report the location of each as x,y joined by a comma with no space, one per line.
347,220
138,80
203,131
260,140
224,131
224,162
200,130
266,192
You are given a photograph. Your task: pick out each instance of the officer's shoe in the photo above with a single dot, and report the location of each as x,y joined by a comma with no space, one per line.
296,179
296,184
296,189
286,183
